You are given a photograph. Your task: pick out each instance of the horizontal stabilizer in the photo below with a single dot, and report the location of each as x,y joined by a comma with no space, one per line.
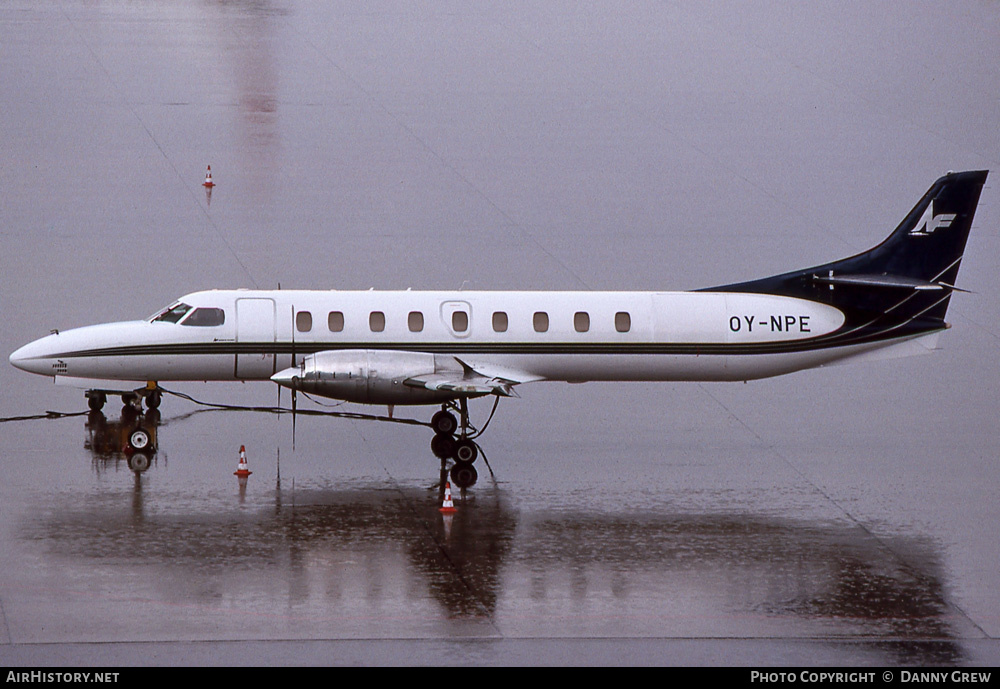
885,280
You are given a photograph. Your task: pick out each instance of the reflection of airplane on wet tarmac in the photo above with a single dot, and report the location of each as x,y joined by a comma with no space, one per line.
132,437
398,348
324,560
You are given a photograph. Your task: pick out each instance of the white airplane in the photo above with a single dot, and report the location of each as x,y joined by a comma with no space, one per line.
416,347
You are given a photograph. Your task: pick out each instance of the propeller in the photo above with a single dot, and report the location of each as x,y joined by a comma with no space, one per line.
276,364
295,391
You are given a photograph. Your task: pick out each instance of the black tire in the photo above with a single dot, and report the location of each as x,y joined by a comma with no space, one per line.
444,423
443,446
96,401
153,399
464,475
466,451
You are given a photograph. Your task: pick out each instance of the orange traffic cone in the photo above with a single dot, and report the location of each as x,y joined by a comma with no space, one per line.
447,507
242,469
208,178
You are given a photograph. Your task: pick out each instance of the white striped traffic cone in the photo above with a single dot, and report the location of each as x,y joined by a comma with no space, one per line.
447,507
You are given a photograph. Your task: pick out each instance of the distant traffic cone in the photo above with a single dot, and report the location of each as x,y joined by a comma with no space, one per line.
447,507
208,178
242,469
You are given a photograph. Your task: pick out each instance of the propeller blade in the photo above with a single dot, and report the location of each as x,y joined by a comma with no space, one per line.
295,392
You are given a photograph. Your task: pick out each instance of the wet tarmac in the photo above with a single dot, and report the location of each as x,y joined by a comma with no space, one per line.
843,516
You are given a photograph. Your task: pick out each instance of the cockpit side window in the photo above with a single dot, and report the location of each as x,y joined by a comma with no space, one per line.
172,313
205,317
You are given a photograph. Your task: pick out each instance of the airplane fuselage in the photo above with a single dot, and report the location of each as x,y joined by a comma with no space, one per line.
563,336
430,347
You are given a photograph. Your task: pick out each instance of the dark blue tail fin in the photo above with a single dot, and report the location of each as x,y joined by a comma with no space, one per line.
903,284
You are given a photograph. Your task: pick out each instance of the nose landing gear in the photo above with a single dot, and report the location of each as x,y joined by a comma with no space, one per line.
131,401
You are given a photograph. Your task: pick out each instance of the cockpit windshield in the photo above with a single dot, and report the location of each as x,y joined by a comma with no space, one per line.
206,317
172,313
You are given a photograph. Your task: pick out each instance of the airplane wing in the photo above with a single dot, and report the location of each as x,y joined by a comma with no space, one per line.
472,380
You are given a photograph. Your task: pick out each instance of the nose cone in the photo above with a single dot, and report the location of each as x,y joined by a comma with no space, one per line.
17,358
36,357
288,378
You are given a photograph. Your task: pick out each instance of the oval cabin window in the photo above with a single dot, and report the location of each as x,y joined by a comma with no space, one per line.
623,322
415,321
500,322
540,321
335,321
303,321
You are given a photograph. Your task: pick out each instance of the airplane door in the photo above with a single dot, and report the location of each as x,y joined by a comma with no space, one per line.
457,317
255,326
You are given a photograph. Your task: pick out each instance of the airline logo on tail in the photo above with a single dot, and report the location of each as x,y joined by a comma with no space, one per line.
929,222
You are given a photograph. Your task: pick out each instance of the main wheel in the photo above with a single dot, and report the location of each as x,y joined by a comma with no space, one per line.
153,399
444,423
466,451
464,475
443,446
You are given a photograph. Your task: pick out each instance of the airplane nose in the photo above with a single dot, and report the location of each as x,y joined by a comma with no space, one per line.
17,358
34,357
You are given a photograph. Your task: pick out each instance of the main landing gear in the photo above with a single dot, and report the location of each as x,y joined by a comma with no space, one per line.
452,440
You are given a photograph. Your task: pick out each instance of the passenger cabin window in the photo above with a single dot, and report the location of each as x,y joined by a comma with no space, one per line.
335,321
459,321
500,322
206,318
303,321
623,322
376,321
581,321
540,321
172,314
415,321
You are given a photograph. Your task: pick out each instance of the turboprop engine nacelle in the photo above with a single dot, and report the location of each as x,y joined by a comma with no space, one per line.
368,376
